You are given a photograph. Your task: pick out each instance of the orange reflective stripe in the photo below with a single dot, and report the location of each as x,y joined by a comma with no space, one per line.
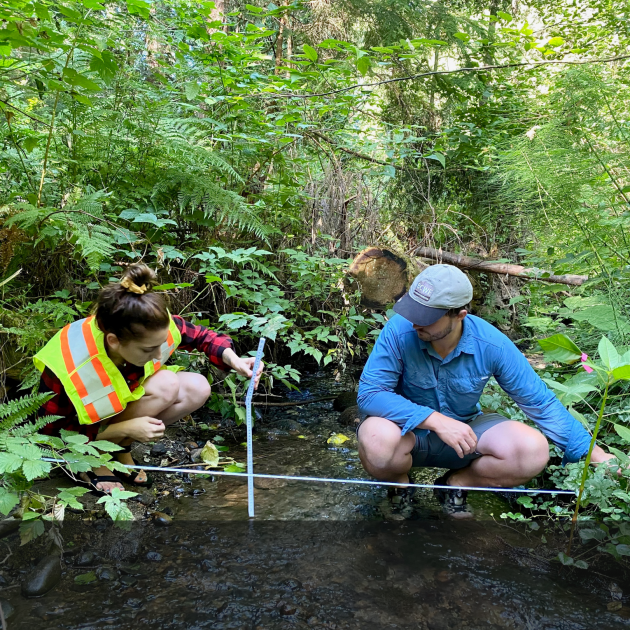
78,383
157,365
169,339
100,370
116,404
91,412
89,337
65,350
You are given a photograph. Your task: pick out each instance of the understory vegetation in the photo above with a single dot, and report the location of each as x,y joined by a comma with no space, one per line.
248,151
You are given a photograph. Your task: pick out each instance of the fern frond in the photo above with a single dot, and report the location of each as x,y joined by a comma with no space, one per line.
16,411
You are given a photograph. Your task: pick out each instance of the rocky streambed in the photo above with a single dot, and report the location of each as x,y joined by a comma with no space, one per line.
317,555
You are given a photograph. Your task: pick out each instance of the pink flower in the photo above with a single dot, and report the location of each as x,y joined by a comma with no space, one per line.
586,367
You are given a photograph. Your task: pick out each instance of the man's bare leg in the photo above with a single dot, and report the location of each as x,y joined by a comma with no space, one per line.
512,454
384,452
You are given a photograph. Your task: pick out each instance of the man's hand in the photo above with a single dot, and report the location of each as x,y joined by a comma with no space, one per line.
242,365
458,435
599,455
144,429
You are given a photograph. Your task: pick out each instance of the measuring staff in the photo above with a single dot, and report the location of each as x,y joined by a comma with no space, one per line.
419,398
108,375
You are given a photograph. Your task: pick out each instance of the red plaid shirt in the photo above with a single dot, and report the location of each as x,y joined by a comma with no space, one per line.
194,337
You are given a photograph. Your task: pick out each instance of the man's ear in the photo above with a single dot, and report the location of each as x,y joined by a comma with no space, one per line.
462,314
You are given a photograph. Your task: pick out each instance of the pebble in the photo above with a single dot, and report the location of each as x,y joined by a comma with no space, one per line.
7,609
292,584
195,455
146,498
106,574
158,449
207,566
286,609
45,576
160,518
128,580
85,559
190,445
154,556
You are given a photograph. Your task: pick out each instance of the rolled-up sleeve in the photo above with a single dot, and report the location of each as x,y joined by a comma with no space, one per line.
379,379
519,380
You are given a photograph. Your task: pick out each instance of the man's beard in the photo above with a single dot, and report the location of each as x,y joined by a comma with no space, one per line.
440,335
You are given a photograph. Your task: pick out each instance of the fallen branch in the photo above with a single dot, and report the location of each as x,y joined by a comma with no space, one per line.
289,404
466,262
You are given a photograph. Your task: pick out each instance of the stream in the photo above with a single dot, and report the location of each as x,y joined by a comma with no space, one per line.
317,555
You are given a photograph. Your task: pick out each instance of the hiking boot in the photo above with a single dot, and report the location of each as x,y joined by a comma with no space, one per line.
454,502
401,499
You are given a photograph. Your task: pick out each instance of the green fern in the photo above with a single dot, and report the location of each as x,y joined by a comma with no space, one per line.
81,221
197,191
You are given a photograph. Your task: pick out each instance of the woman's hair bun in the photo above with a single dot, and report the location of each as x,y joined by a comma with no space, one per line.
139,274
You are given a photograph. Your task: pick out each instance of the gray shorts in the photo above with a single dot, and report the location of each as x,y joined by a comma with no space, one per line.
431,452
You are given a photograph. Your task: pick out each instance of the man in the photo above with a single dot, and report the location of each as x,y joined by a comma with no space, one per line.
419,397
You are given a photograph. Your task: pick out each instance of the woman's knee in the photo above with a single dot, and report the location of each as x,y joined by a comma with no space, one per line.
196,390
163,385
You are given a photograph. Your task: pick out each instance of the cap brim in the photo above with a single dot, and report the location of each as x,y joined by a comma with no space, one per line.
418,314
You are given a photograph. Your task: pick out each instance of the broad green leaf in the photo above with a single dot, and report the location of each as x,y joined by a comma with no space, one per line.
608,353
555,41
310,52
8,500
192,90
622,373
623,432
233,468
560,348
35,468
504,16
363,65
30,530
620,455
566,560
9,462
602,317
439,157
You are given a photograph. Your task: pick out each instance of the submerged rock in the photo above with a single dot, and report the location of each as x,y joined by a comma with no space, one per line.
85,559
160,518
154,556
45,576
345,400
106,574
350,416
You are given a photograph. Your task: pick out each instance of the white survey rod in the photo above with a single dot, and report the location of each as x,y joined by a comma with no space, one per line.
250,440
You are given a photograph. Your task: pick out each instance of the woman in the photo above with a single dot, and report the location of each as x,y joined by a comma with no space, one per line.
108,377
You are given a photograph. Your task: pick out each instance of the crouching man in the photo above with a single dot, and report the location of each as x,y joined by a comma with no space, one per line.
419,398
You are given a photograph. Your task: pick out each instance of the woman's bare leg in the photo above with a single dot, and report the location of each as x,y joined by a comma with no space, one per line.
168,397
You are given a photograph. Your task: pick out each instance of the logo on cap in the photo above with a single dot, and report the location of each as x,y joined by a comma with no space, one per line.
423,291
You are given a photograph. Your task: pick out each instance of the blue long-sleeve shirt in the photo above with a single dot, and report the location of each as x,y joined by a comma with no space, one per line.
405,380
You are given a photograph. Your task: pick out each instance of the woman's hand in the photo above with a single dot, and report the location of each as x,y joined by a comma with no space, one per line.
242,365
144,429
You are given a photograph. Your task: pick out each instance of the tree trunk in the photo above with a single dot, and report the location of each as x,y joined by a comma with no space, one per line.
466,262
280,40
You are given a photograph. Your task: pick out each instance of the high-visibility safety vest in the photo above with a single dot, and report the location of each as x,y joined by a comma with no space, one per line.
97,389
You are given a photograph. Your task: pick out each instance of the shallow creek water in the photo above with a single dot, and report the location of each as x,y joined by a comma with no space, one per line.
316,556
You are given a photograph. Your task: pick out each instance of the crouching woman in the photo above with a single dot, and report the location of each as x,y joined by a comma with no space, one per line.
108,375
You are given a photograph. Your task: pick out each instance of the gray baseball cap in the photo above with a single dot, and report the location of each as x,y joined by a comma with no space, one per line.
433,292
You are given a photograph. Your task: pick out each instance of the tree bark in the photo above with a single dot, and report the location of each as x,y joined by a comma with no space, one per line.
466,262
